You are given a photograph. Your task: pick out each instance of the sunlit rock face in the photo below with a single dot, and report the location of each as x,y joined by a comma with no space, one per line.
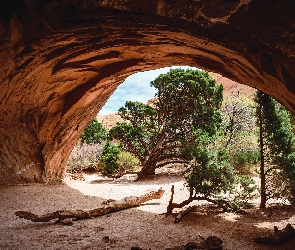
61,60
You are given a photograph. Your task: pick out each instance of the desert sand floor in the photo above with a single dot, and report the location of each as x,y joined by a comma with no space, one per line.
145,226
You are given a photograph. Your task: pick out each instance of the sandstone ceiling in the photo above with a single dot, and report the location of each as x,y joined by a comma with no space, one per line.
60,60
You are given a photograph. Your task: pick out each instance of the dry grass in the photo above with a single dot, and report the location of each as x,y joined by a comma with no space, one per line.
85,157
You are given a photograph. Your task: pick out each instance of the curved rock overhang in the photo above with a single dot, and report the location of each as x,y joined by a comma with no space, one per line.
61,60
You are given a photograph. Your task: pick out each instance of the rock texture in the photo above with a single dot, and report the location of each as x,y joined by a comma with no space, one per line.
109,120
60,60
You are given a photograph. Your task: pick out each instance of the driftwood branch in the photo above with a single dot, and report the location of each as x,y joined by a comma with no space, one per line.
170,204
109,207
278,237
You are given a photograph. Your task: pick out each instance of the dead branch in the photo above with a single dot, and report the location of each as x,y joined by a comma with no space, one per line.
106,208
184,213
224,204
278,237
170,204
173,205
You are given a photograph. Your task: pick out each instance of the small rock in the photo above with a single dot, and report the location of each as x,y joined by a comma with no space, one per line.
67,221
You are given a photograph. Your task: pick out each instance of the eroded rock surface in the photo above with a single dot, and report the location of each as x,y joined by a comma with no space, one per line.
61,60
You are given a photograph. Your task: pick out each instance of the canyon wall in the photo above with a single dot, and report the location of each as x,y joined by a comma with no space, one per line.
61,60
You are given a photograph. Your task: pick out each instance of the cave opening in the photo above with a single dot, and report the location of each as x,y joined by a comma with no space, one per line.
61,61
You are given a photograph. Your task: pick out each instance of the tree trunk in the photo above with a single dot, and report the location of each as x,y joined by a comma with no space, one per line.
106,208
262,167
148,169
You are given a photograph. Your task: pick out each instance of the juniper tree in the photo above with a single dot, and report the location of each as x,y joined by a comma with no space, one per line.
276,140
187,105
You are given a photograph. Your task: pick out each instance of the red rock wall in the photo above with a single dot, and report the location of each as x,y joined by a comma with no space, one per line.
61,60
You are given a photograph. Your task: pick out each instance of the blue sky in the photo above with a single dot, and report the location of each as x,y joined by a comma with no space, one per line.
135,88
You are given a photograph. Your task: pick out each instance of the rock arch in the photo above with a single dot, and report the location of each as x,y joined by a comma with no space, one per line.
61,60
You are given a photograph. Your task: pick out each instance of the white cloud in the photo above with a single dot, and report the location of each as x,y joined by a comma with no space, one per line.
135,88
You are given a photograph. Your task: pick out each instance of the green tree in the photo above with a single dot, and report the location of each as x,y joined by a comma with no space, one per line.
213,178
211,172
94,133
186,106
276,139
109,157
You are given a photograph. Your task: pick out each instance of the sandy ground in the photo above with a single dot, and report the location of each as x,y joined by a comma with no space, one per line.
145,226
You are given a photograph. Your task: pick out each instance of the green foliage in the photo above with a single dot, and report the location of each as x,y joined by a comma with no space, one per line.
109,157
289,172
86,156
187,105
94,133
126,161
245,158
277,131
276,148
213,177
211,173
244,191
244,161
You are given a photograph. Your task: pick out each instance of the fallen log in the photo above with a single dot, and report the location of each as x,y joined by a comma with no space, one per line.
278,237
109,207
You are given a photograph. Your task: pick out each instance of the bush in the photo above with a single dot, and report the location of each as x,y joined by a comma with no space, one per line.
213,177
109,157
244,158
212,173
244,161
127,161
245,191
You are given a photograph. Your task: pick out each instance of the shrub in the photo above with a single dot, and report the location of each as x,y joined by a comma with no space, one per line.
245,191
244,161
127,161
245,158
109,157
212,173
213,177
